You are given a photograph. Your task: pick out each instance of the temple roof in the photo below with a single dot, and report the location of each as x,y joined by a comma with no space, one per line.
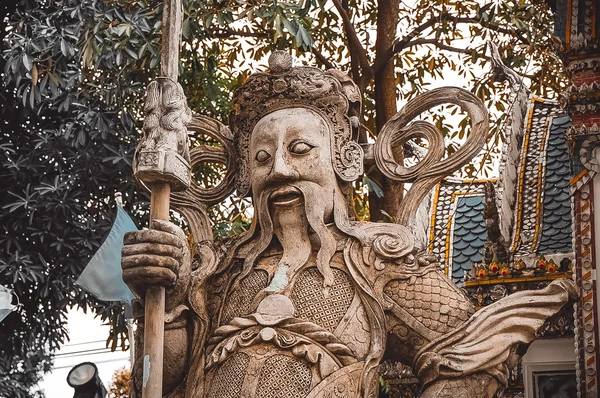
537,187
556,224
457,230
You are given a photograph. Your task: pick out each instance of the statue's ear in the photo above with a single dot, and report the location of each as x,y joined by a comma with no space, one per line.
349,162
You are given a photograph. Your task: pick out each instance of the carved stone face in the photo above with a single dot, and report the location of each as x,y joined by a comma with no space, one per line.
290,146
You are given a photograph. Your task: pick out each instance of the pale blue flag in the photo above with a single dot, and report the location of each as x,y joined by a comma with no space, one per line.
103,276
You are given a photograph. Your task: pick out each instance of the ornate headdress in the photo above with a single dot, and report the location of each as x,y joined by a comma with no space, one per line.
331,94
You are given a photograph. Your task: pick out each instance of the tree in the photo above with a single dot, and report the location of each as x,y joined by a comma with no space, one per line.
55,143
72,94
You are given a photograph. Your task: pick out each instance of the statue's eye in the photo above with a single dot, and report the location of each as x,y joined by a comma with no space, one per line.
262,156
300,148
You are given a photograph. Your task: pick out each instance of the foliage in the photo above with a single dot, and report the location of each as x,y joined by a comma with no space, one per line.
437,42
72,95
66,144
119,387
19,380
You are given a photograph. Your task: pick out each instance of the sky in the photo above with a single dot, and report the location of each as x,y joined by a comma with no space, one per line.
88,344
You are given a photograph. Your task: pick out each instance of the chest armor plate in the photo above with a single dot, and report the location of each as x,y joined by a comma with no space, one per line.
282,361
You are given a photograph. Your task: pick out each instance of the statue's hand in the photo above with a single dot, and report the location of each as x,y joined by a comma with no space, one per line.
158,256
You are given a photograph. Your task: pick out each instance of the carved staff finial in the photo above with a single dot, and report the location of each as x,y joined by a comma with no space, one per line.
280,61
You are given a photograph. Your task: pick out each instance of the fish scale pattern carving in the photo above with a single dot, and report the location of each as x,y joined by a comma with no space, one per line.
432,300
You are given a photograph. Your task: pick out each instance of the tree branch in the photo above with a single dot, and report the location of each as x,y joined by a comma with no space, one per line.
357,51
225,33
441,46
399,45
474,20
322,59
410,39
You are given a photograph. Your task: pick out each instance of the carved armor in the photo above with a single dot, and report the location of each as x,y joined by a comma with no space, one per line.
272,352
312,341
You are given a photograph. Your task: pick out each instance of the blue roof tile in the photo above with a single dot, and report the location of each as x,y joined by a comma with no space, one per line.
556,224
469,235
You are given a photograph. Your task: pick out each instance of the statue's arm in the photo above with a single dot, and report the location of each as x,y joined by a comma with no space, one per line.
161,257
420,307
450,347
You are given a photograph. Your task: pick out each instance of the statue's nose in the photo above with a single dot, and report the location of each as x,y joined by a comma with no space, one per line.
282,171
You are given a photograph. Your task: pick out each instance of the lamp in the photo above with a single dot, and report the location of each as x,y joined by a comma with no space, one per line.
86,382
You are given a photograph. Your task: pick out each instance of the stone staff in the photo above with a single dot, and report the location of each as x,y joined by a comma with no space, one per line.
162,165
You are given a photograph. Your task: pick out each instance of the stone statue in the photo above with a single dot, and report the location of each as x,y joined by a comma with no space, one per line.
309,301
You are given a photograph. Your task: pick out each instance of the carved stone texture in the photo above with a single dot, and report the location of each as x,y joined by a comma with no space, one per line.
308,301
560,324
162,154
325,308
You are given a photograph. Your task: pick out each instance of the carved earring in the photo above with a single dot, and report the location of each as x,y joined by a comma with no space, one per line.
349,161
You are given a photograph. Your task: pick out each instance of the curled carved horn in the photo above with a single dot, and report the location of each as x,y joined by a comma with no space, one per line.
430,170
193,202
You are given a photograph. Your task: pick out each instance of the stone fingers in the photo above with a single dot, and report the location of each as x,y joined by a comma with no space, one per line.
166,226
149,276
149,260
153,249
153,236
154,256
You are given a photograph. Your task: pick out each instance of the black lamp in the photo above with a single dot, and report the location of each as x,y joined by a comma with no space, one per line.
86,382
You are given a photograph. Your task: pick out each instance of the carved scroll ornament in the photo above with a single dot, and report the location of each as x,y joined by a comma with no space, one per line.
430,170
193,202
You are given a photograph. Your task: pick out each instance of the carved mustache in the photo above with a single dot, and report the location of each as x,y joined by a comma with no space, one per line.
315,212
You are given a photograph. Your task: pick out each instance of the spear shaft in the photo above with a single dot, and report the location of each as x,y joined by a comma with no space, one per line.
159,209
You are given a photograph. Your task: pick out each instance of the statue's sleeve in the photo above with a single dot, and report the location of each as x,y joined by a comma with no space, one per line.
488,341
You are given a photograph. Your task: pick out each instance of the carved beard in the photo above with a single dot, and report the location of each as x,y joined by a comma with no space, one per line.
315,215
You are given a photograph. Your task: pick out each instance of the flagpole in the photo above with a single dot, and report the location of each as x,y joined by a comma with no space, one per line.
130,321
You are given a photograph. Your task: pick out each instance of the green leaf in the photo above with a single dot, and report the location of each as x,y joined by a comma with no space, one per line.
303,38
209,20
278,25
27,61
131,53
373,186
65,48
291,26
